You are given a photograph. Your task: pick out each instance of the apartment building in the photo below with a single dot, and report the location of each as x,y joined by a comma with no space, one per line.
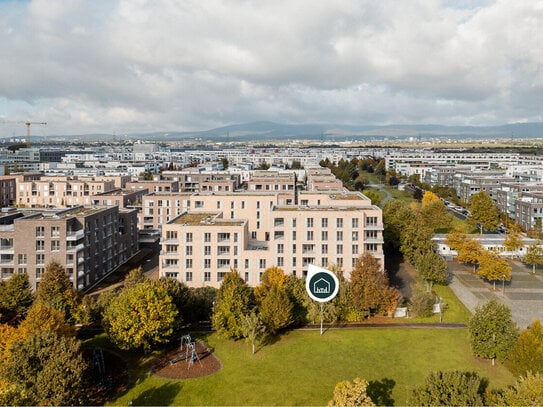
509,192
254,231
90,242
529,210
154,185
7,191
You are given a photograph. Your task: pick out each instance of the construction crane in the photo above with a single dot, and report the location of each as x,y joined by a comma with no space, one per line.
27,124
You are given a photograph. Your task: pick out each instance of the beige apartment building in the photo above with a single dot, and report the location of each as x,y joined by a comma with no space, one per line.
252,231
90,242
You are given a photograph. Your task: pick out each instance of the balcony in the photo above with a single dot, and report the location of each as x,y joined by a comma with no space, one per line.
73,236
373,226
73,249
7,249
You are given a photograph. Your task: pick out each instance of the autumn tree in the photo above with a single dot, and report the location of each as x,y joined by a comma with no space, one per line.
295,289
370,289
493,267
449,388
435,215
232,304
272,277
483,212
469,249
429,198
527,354
134,277
396,216
45,369
492,331
56,290
15,296
276,310
432,268
513,240
140,317
42,317
416,239
253,329
526,391
534,255
351,394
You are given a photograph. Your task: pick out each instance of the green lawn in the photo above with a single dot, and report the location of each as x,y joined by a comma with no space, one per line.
302,368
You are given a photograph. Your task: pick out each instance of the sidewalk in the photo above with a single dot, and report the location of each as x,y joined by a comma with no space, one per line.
523,294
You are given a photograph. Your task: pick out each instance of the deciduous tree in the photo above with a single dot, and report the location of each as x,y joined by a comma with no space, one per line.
140,317
351,394
276,310
483,212
15,296
450,388
493,267
233,299
513,240
534,255
527,354
253,329
527,391
432,268
492,331
56,290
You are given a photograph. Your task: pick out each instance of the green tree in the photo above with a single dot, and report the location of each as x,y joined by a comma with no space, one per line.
15,296
527,354
421,303
493,267
483,212
224,161
253,329
233,299
351,394
416,239
527,391
45,369
295,289
370,289
41,317
534,255
134,277
450,388
396,216
276,310
492,331
56,290
140,317
432,268
435,215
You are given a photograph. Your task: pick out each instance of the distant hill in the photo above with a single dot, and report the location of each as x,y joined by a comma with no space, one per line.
265,130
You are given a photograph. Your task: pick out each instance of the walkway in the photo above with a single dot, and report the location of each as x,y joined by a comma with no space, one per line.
523,294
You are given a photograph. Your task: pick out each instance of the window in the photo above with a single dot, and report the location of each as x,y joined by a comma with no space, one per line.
309,235
371,247
355,236
279,235
253,235
188,263
293,235
262,263
235,237
324,261
40,245
294,262
55,231
242,204
207,250
222,250
246,264
293,248
354,222
171,234
324,235
279,222
339,249
308,248
222,237
324,249
188,250
339,236
371,234
171,248
188,237
355,249
188,276
40,231
246,276
40,258
207,276
339,261
55,245
294,222
207,237
324,222
22,259
207,264
280,262
199,204
309,222
339,222
39,272
371,221
218,204
280,248
220,276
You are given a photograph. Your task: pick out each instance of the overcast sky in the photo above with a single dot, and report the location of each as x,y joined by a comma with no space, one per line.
158,65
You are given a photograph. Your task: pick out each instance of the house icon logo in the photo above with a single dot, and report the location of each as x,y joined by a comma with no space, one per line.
321,285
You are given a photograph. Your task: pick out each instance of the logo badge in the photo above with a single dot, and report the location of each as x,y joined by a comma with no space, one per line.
321,284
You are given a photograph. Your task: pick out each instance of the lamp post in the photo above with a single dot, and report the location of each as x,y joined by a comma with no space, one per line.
503,285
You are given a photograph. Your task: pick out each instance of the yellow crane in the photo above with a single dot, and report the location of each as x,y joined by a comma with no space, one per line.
27,124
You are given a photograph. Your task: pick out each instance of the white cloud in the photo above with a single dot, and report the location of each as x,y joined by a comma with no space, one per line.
168,65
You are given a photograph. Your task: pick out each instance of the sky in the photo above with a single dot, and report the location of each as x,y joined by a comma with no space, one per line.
116,67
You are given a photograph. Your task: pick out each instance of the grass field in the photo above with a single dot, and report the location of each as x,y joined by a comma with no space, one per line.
302,368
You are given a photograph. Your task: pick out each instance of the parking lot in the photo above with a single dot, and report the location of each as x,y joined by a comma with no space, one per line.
523,294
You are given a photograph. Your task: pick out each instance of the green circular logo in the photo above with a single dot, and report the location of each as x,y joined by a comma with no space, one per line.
322,285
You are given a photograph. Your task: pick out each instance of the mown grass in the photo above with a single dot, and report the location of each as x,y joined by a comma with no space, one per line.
302,368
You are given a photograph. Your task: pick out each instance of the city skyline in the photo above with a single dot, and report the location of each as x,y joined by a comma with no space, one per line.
121,67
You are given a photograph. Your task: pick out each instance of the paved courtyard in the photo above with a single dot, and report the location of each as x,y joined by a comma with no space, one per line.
523,294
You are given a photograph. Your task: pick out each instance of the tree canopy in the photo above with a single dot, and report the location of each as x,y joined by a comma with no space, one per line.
351,394
15,296
483,212
56,290
527,354
534,255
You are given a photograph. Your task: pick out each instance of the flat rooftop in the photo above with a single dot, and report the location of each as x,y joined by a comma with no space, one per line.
205,219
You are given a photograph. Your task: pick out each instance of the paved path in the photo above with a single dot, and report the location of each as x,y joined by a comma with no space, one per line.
523,294
380,187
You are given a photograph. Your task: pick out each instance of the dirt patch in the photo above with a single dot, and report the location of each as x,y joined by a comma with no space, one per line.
181,363
107,375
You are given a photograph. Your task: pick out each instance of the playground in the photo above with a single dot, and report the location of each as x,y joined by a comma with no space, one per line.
191,359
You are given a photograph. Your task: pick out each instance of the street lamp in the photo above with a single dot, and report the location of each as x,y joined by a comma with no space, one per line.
503,285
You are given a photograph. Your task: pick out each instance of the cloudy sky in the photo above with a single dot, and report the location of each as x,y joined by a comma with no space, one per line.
160,65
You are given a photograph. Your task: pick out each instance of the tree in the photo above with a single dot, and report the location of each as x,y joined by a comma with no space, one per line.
224,162
295,289
429,198
353,394
45,369
527,391
435,215
134,277
276,310
421,303
483,212
15,296
272,277
253,329
527,354
450,388
534,255
513,240
416,239
432,268
56,290
140,317
396,216
469,250
232,304
492,331
370,289
42,317
493,267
